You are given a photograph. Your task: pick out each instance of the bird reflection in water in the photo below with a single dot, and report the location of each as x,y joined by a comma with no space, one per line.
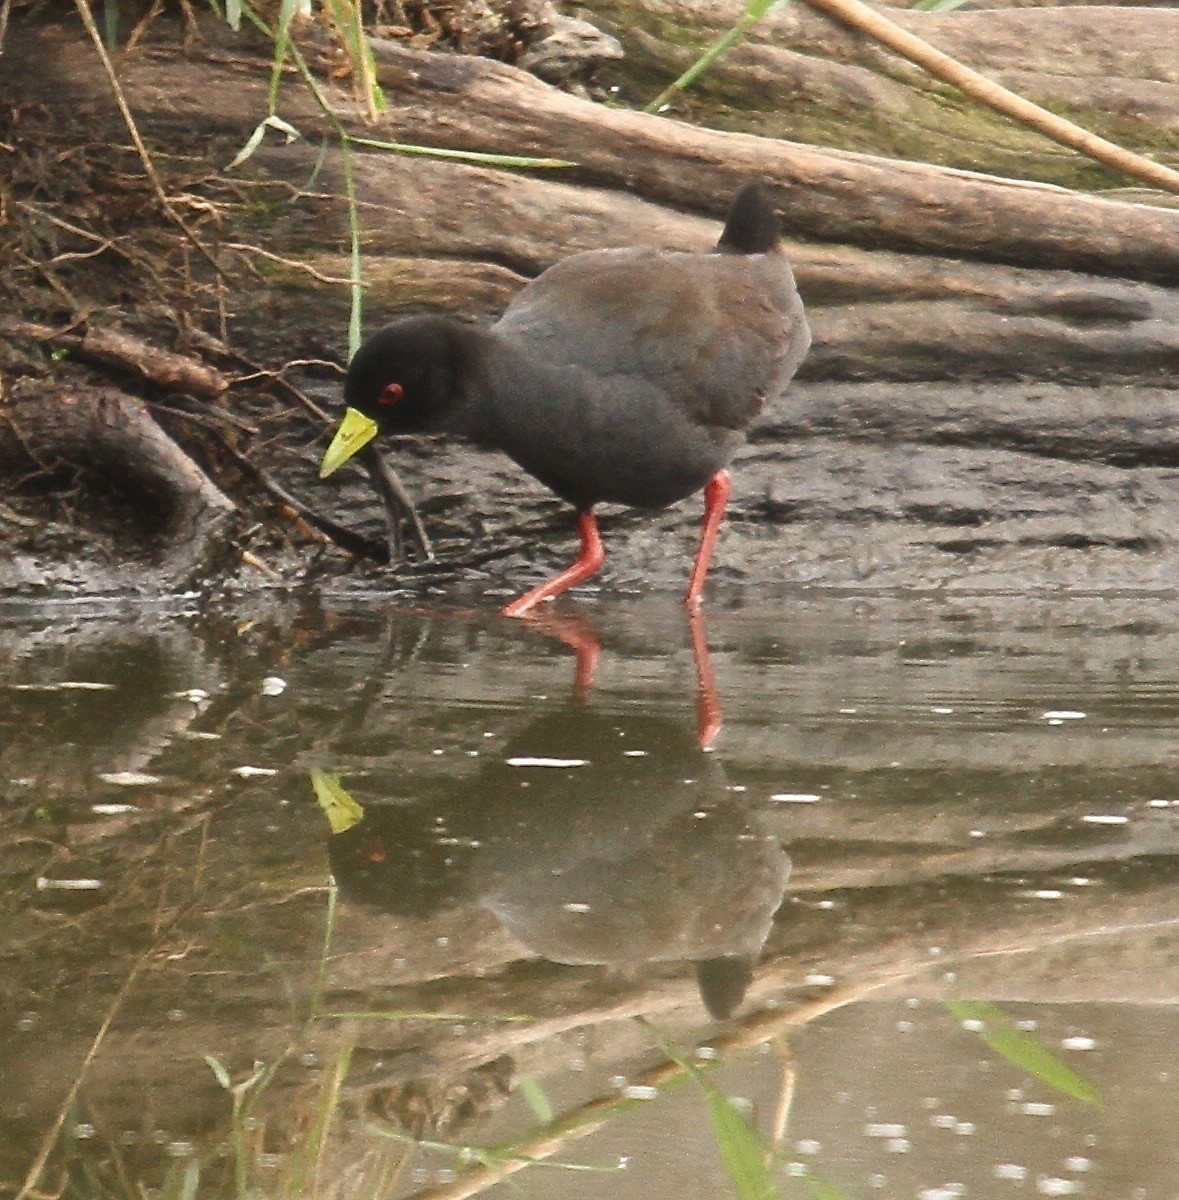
596,837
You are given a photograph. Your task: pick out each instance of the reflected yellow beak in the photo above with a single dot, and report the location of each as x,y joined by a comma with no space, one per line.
355,432
340,809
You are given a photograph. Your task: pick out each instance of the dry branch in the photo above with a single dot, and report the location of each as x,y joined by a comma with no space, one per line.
114,348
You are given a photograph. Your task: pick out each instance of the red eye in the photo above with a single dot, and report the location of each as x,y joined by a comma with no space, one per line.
393,393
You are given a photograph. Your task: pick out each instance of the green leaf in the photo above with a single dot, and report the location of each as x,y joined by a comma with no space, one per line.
537,1100
338,806
741,1148
1022,1050
233,14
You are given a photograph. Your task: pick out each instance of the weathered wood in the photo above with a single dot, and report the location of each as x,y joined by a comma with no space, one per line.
801,75
111,439
448,101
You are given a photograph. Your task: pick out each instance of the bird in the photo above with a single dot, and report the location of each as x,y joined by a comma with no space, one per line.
626,376
593,837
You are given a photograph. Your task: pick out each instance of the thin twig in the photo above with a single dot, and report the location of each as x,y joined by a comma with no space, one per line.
244,248
54,1131
878,27
593,1114
133,129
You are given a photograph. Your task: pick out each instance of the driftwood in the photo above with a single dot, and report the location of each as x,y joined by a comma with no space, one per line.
111,439
802,75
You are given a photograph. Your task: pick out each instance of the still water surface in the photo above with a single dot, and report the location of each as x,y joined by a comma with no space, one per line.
558,846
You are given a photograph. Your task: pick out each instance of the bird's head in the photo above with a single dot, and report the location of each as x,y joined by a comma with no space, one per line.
403,379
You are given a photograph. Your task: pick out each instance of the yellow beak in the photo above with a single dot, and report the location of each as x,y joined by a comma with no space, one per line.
355,432
340,809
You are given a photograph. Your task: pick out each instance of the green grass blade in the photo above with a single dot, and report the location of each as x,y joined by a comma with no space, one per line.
110,24
754,11
537,1100
741,1149
1022,1050
282,43
233,14
471,156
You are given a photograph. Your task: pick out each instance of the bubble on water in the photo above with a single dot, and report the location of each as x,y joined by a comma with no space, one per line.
819,980
176,1014
532,761
947,1191
180,1150
634,754
1053,1185
618,1081
1105,819
248,772
905,1026
808,1146
965,1128
639,1091
942,711
1037,1108
273,685
575,907
446,1175
796,797
943,1121
1063,714
1079,1043
974,1025
797,1170
1009,1171
83,1131
898,1146
1077,1163
129,778
706,1053
1027,1024
885,1129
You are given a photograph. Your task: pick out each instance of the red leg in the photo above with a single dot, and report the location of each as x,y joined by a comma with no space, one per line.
588,562
709,715
578,634
716,496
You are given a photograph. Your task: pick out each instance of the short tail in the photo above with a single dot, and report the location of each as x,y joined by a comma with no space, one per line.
752,225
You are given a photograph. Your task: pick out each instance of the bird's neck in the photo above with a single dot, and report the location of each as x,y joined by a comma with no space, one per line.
493,370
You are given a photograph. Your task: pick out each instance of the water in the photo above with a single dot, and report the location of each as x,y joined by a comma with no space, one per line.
558,845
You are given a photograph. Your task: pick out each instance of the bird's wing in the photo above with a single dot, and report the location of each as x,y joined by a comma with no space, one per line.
717,334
